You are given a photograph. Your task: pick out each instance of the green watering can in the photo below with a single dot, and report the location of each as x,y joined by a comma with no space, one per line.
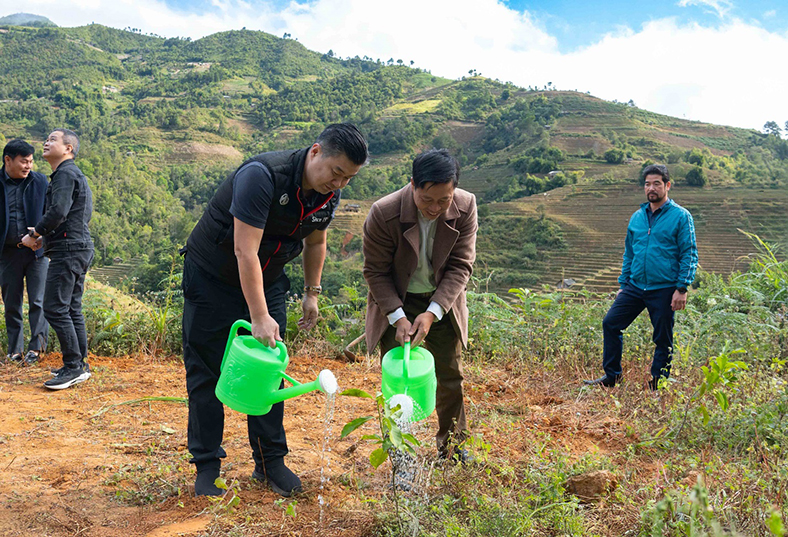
408,378
252,372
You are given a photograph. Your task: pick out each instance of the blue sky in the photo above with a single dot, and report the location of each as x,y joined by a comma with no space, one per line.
578,24
717,61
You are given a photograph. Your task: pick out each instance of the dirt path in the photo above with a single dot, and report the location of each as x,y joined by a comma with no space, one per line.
73,464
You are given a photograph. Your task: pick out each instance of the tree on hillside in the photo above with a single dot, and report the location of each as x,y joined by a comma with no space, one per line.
772,128
615,155
696,156
697,176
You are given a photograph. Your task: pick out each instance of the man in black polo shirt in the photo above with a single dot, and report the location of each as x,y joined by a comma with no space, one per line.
260,218
22,205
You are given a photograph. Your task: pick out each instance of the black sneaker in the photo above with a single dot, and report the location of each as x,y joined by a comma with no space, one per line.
55,371
67,377
31,357
14,358
281,479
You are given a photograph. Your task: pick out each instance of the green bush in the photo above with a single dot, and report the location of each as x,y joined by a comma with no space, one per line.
697,176
615,155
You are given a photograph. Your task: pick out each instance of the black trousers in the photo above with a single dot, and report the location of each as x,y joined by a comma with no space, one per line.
445,345
209,311
627,306
17,267
63,302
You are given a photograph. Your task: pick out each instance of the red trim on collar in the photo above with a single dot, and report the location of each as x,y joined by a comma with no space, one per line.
310,213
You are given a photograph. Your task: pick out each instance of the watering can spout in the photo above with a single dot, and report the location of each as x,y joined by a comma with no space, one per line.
326,382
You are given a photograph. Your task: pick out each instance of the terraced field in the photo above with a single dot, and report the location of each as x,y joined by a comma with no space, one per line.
594,220
115,274
351,220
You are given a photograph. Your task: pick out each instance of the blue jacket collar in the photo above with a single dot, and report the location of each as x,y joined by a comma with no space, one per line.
664,207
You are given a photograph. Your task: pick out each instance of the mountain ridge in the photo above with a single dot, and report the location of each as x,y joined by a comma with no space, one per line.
163,120
26,19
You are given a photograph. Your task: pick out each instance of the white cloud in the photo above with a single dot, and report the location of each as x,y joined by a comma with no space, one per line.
719,7
724,74
770,14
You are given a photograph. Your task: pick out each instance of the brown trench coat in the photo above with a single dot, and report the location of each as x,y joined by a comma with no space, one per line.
391,254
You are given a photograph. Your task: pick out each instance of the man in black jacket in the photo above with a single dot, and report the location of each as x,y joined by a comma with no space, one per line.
67,243
22,205
269,210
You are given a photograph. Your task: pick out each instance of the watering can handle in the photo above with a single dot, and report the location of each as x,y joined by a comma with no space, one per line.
406,361
241,323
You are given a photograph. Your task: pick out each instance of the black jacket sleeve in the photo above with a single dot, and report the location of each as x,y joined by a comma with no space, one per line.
62,197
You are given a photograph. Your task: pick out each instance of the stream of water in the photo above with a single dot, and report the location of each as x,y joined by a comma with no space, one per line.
325,454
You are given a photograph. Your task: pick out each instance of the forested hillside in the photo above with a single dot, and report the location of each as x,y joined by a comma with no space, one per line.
163,120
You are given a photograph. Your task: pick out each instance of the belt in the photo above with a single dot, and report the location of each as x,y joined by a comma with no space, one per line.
422,295
70,246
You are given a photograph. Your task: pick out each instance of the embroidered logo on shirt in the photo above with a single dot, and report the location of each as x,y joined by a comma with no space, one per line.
284,199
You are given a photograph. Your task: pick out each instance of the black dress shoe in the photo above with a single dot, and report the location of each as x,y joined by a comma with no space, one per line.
279,477
457,455
205,484
653,384
607,382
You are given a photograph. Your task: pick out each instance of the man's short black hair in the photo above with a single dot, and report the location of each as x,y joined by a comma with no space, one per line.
435,166
17,148
344,138
656,169
70,138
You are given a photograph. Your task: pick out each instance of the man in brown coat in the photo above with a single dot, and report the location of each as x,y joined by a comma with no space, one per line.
419,249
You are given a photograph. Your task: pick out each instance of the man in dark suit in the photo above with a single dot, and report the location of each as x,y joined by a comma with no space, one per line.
21,206
419,248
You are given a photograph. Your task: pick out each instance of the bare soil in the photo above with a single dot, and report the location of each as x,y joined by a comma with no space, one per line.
71,463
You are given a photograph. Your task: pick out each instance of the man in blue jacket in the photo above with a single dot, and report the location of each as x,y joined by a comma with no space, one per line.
63,230
660,258
22,205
